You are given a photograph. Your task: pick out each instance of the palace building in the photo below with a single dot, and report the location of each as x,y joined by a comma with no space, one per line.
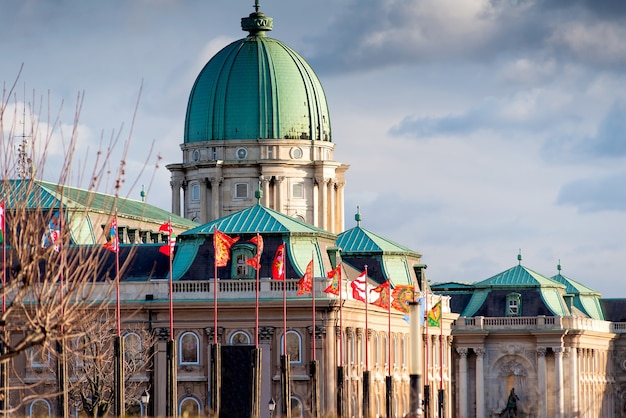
258,160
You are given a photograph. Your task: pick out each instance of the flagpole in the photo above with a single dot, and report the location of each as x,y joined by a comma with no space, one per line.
4,402
256,296
366,372
426,358
340,370
171,281
215,295
313,303
118,315
389,380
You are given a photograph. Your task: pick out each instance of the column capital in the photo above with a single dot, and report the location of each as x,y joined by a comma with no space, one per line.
215,181
279,179
162,333
319,330
209,332
480,351
541,351
266,333
558,351
462,351
349,332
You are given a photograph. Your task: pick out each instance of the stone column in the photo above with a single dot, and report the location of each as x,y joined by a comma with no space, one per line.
159,391
266,334
558,370
203,201
183,186
332,222
574,378
339,226
278,189
265,188
175,197
480,382
323,201
541,371
463,383
215,197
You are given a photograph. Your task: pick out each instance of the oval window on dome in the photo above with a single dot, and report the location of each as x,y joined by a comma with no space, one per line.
242,153
296,153
196,155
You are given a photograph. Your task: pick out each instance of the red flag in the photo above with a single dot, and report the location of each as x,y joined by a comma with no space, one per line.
335,275
278,266
1,221
51,236
113,241
401,296
383,299
360,288
305,284
222,244
255,261
168,248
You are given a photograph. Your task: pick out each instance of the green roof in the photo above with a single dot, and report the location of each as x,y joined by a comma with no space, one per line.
360,240
517,277
585,299
46,195
257,88
255,219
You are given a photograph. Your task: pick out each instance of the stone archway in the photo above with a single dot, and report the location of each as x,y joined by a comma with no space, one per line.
507,372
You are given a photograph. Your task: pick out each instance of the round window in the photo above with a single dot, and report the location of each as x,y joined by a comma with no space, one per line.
242,153
296,153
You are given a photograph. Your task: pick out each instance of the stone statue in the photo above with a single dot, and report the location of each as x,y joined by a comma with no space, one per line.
511,405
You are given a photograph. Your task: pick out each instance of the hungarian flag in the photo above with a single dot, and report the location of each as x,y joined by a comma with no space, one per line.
222,244
255,261
335,276
51,236
1,221
305,284
383,299
278,266
168,249
112,239
434,315
401,296
361,289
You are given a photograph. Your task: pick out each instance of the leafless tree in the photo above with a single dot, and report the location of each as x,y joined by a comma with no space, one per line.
91,362
46,281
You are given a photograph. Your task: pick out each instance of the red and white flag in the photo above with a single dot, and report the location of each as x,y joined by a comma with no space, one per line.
361,290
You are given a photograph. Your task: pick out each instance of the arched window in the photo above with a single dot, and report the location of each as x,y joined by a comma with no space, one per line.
40,409
240,255
189,407
132,349
240,338
294,346
376,351
296,408
189,348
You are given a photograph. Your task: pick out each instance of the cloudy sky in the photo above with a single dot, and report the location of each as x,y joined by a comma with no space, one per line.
474,129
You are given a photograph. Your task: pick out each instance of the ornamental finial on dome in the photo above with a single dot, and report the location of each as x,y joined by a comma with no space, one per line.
257,23
357,216
519,257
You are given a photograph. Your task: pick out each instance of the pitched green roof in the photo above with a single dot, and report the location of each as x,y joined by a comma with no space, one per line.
46,195
518,276
360,240
585,299
255,219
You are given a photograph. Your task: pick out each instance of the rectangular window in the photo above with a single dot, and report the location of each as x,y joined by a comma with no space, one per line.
241,190
195,192
242,267
297,191
513,307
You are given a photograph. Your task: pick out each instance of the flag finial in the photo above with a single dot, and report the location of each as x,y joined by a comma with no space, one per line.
357,216
519,257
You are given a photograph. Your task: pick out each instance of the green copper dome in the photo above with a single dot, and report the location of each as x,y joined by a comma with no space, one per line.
257,88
